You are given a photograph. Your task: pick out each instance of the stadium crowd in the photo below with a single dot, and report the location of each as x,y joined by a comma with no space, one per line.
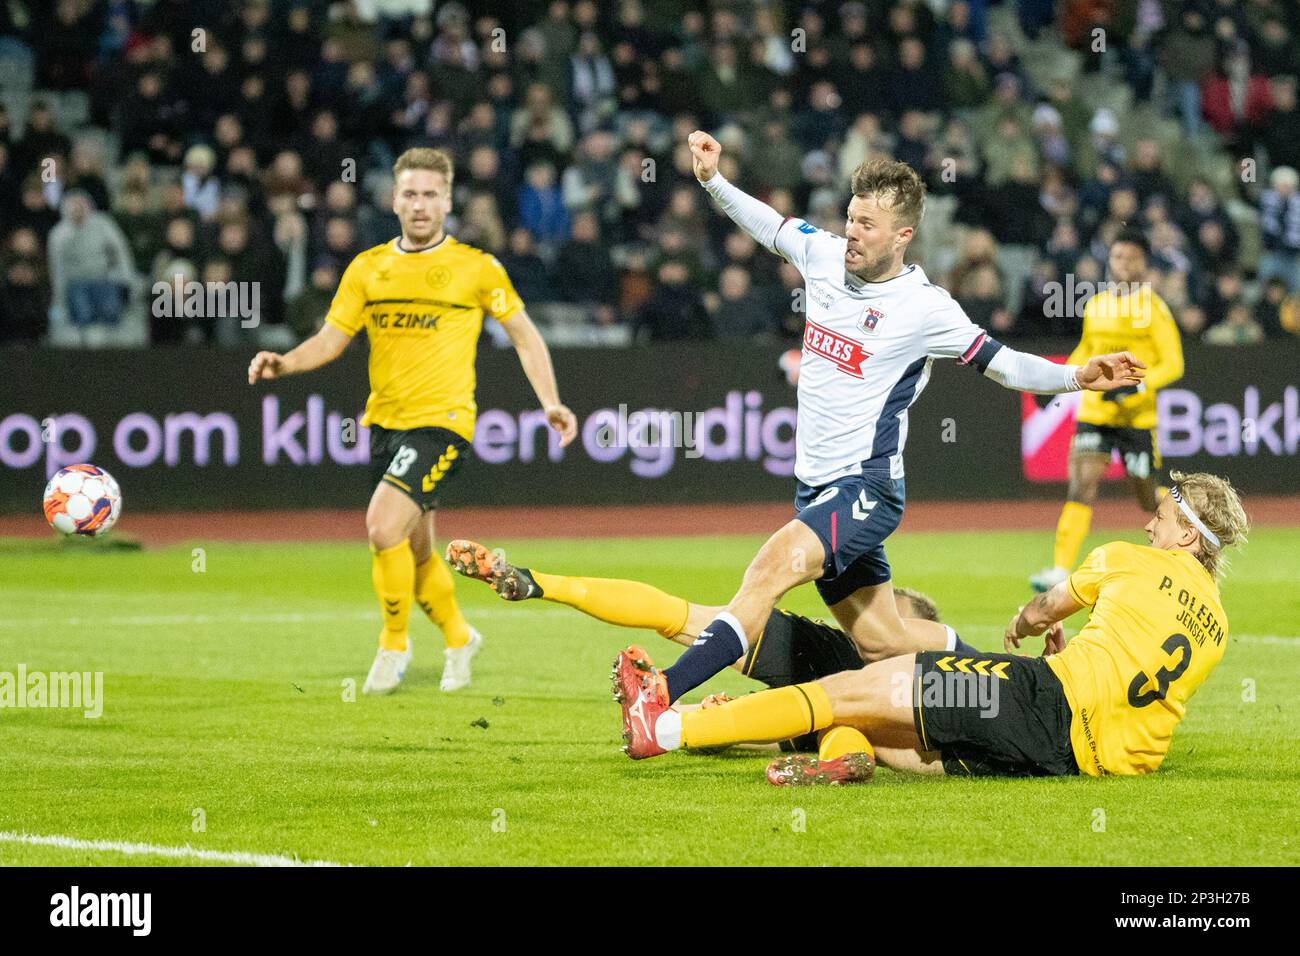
251,141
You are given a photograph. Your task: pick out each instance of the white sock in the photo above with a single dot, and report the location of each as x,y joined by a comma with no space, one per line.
668,730
952,639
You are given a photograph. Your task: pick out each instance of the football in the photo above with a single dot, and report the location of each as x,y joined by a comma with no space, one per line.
82,499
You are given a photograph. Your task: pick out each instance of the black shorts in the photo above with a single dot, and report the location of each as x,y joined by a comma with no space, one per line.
415,461
1136,446
996,715
794,650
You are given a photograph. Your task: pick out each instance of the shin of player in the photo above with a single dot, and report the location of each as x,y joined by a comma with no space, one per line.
787,649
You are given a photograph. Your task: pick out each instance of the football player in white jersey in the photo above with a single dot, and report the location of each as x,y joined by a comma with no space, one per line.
873,327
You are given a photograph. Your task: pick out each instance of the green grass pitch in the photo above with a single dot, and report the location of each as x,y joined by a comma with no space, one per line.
225,724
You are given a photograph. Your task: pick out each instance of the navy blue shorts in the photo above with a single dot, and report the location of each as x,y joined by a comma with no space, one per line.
852,516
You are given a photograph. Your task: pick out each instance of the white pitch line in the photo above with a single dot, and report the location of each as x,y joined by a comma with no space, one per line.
1265,639
149,849
169,620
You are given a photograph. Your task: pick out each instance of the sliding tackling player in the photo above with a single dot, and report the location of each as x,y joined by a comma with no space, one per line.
1105,703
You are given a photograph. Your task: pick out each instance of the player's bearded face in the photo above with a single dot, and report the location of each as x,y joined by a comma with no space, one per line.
421,200
874,239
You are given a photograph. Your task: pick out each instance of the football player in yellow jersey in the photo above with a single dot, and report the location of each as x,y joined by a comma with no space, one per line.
1128,315
421,299
1105,703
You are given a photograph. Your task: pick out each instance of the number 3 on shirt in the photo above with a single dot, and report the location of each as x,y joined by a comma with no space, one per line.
1137,697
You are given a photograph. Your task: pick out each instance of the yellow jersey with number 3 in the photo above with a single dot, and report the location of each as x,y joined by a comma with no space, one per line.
423,312
1155,633
1137,322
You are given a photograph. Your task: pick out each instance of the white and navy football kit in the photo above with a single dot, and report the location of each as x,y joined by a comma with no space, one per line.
867,351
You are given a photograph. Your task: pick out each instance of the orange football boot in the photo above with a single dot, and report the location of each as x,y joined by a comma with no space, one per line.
805,770
475,561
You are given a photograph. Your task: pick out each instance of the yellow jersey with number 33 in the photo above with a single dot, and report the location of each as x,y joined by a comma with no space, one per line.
1156,631
423,312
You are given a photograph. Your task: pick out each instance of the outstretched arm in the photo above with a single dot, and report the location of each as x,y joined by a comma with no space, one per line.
325,346
1031,373
949,333
536,361
756,217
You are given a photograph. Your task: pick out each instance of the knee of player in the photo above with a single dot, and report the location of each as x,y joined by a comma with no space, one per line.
773,574
1148,498
877,646
848,694
1082,494
383,534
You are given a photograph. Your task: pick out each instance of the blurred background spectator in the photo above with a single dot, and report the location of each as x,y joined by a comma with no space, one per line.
91,269
133,149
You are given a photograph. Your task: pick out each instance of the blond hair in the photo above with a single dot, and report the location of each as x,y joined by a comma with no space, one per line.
896,187
422,157
1216,503
923,605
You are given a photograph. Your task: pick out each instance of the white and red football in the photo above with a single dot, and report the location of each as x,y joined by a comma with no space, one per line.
82,499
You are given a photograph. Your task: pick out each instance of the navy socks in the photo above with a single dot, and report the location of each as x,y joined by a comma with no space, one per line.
719,646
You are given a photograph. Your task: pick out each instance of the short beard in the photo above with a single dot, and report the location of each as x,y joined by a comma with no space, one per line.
872,270
434,229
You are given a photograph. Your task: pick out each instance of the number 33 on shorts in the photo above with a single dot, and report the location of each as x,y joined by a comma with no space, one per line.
401,462
406,455
416,460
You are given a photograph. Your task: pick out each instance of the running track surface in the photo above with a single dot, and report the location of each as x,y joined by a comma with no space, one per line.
636,521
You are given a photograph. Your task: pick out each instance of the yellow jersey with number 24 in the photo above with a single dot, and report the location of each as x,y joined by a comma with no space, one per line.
1137,322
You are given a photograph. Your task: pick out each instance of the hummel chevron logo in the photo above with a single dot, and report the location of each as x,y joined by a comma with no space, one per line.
703,638
862,507
984,667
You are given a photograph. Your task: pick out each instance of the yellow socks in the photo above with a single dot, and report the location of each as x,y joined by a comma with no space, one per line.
626,603
766,716
393,572
838,741
1071,529
398,578
436,594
